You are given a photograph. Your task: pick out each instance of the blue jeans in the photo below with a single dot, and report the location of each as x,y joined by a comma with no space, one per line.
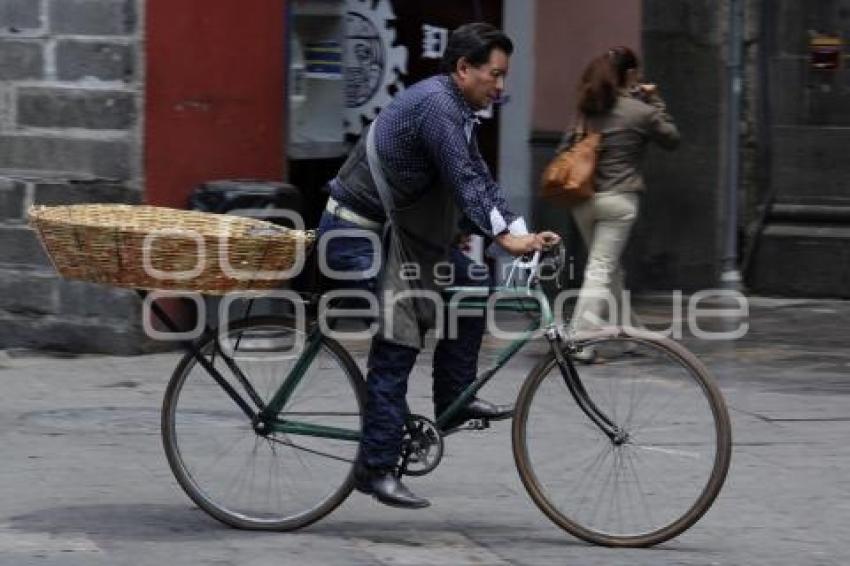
389,365
348,253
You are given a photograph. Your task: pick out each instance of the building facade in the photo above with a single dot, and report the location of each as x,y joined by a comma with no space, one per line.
799,234
143,100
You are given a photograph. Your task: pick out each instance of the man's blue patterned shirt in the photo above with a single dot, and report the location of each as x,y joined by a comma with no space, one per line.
425,136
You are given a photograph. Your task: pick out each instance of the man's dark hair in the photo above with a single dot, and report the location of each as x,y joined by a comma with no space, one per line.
474,42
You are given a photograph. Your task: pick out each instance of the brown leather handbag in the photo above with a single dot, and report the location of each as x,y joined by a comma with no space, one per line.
568,179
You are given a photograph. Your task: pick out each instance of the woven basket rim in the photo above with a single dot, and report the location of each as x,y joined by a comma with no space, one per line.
208,225
108,244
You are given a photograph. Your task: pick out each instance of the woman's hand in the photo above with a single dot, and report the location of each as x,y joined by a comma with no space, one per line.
648,89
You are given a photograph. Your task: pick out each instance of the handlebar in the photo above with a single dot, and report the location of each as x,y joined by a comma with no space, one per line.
554,256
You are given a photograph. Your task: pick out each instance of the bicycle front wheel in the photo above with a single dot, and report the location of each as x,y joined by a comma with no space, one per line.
641,491
270,481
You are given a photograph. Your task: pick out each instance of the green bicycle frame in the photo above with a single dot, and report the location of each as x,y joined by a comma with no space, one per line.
511,299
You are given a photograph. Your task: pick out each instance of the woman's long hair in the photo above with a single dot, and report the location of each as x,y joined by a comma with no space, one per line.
602,79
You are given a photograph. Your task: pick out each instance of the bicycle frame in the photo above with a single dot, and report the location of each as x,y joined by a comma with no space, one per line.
527,299
281,397
516,300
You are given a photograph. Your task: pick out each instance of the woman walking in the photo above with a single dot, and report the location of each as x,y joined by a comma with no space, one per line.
629,115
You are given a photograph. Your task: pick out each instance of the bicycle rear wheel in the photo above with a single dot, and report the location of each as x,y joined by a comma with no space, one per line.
249,480
657,483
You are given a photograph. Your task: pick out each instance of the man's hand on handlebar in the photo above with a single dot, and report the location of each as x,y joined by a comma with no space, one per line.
548,239
519,245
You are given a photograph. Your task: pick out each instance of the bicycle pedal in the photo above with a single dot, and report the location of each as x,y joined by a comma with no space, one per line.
470,425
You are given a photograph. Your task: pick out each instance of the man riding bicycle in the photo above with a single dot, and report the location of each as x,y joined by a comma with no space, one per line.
418,171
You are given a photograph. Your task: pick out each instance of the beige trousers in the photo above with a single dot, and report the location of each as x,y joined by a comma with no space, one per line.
604,222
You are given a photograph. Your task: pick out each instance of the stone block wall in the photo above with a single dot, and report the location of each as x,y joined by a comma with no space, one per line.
803,248
677,241
71,90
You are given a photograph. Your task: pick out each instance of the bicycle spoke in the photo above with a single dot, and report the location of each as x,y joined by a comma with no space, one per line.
640,491
228,450
602,490
659,412
589,476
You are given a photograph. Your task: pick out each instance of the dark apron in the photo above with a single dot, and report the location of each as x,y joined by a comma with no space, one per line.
419,231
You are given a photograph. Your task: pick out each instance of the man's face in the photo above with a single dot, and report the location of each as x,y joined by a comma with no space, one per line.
483,85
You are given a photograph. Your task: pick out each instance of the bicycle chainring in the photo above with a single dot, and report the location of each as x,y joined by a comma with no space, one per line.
421,446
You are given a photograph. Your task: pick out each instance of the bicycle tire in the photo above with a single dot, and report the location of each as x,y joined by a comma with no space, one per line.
680,441
201,413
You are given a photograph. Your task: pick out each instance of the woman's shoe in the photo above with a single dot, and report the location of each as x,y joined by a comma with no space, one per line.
586,355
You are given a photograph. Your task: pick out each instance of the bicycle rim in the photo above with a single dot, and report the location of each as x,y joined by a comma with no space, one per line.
275,482
648,489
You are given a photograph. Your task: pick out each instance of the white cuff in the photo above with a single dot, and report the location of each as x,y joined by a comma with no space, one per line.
518,227
497,221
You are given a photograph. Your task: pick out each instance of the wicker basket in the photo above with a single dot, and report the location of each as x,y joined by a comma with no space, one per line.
147,247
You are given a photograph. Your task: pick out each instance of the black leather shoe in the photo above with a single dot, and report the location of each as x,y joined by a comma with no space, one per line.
387,488
481,409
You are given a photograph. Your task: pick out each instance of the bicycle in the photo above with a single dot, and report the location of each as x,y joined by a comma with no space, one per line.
261,423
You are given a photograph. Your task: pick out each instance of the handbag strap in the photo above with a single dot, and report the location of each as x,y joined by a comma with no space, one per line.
582,129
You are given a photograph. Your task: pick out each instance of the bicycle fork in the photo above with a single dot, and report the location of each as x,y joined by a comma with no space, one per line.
569,373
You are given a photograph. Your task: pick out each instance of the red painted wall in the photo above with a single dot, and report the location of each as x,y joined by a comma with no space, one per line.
214,95
569,35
